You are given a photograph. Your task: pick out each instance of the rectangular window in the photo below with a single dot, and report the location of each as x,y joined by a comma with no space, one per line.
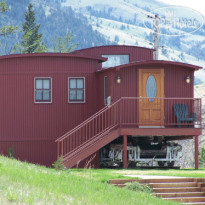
115,60
42,89
76,87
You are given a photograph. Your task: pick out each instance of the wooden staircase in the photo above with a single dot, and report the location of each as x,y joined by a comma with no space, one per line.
182,190
91,135
88,148
103,127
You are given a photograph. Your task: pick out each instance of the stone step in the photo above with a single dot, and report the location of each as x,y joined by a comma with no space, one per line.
187,199
180,194
178,189
167,185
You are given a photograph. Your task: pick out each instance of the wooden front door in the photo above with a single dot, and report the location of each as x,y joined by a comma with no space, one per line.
151,87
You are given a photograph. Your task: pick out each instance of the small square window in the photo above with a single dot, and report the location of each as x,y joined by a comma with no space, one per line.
76,89
42,90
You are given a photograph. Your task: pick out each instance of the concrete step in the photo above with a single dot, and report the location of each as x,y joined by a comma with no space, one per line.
180,194
187,199
167,185
178,189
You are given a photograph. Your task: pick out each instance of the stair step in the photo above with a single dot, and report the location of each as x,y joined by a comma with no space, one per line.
171,180
123,181
180,194
178,189
187,199
195,203
167,185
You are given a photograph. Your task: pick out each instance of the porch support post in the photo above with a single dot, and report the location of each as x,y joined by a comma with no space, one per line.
125,151
196,139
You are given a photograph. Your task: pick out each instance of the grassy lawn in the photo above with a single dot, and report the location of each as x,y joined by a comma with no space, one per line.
103,175
23,183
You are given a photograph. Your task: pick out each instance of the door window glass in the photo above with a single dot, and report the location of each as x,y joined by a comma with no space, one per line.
151,88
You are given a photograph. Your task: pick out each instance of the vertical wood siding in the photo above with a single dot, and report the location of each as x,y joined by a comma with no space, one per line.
175,85
31,128
175,81
135,53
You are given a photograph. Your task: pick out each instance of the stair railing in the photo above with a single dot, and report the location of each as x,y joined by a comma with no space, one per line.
105,119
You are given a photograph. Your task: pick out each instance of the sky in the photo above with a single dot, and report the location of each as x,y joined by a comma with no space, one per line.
198,5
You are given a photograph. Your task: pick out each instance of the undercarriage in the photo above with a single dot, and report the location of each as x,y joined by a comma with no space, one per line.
141,151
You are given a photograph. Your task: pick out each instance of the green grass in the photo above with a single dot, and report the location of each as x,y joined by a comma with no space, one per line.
23,183
103,175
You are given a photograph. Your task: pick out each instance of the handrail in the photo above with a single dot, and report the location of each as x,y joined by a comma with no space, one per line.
96,138
163,98
86,121
123,112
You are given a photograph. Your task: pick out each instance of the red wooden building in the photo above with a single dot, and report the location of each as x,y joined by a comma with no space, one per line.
80,105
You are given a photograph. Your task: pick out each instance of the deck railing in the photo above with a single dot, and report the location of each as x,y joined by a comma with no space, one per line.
125,113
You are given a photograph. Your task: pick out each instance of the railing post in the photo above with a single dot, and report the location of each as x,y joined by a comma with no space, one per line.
120,112
124,151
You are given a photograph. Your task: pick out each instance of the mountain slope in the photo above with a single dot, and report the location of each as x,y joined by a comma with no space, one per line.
54,20
122,21
94,23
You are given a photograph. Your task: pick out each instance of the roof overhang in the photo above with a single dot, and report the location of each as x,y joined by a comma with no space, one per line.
150,63
66,55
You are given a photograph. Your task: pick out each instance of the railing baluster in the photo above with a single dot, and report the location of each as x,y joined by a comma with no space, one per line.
123,112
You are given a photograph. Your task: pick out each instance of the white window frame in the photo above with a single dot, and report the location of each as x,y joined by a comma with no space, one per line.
72,101
42,102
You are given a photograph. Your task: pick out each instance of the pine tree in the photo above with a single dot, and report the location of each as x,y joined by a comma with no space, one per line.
31,39
64,45
8,29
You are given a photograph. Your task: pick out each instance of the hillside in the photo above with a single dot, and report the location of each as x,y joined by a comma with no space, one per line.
102,22
122,21
55,21
22,183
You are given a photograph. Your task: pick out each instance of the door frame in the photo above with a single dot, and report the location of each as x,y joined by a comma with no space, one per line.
159,95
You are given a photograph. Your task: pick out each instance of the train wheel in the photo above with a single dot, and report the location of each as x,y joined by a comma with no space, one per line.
132,165
170,164
161,164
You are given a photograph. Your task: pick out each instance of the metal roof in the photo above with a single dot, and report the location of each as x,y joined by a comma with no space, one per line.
68,55
151,62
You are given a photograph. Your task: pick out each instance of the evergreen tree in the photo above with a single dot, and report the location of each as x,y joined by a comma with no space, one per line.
64,45
5,30
8,29
31,39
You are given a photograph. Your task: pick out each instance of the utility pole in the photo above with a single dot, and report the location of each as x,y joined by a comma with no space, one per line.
156,37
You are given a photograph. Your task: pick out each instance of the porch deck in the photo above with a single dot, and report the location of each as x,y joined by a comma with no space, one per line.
125,117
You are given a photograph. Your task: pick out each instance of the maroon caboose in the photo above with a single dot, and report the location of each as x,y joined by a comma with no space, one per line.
108,105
